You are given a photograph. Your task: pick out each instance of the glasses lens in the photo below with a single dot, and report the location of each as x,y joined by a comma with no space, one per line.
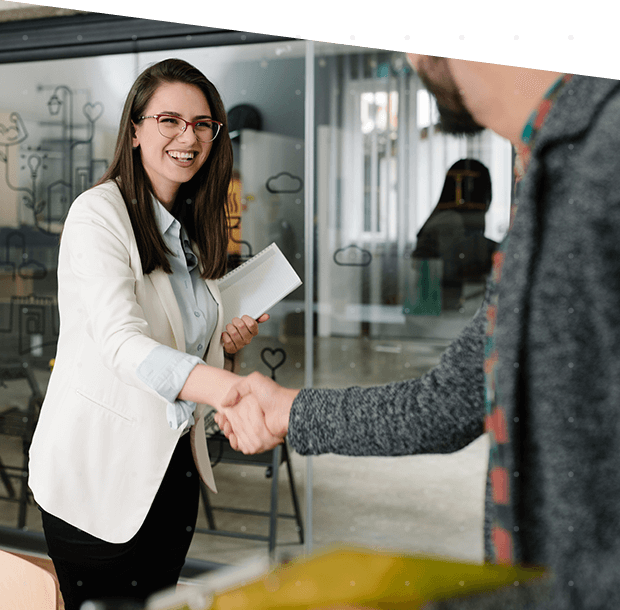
171,127
206,130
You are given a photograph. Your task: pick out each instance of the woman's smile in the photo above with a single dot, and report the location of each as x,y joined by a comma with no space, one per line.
183,158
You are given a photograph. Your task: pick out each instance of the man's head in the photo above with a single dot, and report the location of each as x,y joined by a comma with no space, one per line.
473,95
454,116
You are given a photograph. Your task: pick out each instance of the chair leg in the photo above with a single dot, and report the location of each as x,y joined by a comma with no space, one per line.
207,504
273,517
23,496
6,480
289,469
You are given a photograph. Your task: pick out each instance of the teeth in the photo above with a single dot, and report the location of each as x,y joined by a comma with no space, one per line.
184,156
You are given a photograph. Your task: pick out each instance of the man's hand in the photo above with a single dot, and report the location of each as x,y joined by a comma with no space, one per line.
244,427
254,415
240,332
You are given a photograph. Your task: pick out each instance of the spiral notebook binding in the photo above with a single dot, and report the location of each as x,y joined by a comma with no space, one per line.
271,246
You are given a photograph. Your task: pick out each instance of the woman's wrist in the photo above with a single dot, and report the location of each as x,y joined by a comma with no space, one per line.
207,384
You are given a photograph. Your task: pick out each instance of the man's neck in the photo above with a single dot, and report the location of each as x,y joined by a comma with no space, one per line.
530,87
502,98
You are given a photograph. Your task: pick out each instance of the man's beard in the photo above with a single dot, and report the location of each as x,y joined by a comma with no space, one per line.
458,122
454,117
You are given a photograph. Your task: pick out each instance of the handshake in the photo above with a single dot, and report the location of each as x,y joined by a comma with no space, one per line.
254,414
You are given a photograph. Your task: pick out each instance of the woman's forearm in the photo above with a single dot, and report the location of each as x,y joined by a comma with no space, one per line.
207,384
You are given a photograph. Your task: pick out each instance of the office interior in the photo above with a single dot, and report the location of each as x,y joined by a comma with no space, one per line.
340,161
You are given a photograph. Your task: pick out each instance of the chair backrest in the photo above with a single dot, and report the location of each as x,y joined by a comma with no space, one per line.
25,586
15,421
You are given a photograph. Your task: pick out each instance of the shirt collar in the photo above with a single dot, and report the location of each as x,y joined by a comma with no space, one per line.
164,219
170,228
535,122
537,118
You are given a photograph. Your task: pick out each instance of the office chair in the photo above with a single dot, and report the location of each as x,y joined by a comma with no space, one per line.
221,451
19,423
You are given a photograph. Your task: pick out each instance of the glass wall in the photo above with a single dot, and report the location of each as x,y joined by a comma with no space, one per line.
58,126
407,233
401,238
406,220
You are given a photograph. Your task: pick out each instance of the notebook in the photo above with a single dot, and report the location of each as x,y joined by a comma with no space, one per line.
258,284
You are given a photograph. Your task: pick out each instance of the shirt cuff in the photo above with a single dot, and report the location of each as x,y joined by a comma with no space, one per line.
166,370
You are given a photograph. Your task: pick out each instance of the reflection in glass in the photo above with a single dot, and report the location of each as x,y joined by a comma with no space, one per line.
381,162
454,232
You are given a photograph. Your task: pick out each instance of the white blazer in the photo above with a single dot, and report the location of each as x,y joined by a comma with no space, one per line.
102,443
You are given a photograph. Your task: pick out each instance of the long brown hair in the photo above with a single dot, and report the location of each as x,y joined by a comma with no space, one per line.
201,204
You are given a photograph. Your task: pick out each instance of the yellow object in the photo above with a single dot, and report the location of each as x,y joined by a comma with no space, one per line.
51,363
369,579
235,212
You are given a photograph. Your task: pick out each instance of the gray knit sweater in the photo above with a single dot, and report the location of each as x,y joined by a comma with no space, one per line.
558,338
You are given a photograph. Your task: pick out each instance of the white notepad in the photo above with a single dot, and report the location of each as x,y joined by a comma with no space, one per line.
258,284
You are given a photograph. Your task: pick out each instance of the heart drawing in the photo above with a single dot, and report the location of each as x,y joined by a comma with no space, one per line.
93,111
273,358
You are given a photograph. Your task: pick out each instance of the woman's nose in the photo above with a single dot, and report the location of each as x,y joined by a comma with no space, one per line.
187,135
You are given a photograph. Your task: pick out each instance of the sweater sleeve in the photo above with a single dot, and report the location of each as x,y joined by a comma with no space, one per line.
534,595
441,412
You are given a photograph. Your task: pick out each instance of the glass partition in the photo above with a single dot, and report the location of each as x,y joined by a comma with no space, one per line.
58,126
407,219
408,234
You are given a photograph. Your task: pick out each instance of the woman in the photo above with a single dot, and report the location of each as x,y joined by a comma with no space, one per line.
113,464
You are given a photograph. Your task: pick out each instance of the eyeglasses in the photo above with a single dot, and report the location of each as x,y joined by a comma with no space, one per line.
171,126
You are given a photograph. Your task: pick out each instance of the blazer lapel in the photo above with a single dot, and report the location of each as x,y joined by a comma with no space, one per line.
163,287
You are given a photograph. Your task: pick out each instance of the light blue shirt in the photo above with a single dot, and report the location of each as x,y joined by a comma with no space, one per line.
165,369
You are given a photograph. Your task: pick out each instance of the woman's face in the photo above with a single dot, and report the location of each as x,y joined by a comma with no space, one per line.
170,163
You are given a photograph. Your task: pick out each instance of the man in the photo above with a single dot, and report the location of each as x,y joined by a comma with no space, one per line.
538,367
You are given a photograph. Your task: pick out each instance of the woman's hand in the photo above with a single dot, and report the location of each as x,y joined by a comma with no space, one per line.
240,332
254,415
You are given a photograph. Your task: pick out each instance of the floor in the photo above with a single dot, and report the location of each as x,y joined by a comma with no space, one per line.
429,504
